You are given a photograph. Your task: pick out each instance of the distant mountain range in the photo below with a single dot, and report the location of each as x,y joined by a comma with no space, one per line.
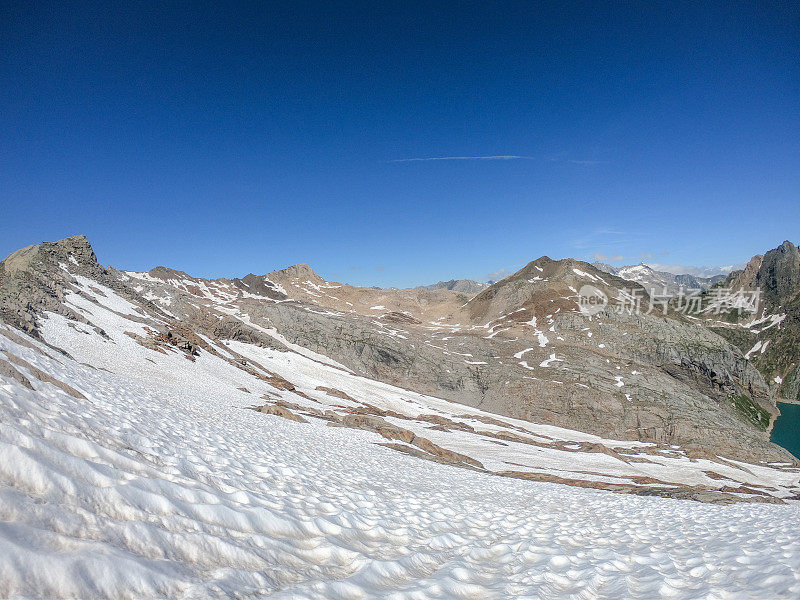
659,281
650,279
467,286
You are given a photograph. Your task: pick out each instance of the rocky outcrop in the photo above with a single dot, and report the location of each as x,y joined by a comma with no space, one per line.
8,370
32,281
779,274
260,286
40,375
280,411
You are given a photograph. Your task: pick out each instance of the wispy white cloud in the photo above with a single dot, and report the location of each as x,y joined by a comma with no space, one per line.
651,255
602,239
604,257
498,157
501,273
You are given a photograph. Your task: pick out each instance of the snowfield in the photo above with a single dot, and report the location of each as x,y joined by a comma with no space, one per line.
146,477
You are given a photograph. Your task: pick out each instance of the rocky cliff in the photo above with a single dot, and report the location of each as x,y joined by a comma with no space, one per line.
771,336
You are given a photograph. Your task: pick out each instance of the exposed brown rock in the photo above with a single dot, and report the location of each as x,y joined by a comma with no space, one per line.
334,392
280,411
400,317
377,425
7,370
42,376
449,455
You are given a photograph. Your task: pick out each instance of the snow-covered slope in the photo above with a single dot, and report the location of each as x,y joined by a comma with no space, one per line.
128,471
310,386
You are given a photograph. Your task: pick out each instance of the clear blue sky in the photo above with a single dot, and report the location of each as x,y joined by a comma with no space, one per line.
223,140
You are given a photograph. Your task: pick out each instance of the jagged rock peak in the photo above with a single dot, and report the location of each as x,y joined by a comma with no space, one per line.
75,249
33,280
780,271
300,271
467,286
77,245
166,273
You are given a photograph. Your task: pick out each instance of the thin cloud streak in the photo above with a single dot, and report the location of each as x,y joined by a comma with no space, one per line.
501,273
500,157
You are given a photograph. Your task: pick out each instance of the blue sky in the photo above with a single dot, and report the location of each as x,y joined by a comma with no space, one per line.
223,140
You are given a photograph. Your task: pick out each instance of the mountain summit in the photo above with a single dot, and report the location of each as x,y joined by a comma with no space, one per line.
300,271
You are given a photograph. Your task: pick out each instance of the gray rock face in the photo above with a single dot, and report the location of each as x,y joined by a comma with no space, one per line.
520,347
779,274
32,282
260,286
679,378
466,286
772,336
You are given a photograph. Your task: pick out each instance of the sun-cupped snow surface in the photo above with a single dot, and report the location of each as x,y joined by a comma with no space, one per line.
147,478
150,490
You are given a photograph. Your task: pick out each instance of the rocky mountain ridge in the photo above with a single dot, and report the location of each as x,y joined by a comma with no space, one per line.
520,348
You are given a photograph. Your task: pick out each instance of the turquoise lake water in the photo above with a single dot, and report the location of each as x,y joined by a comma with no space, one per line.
786,432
